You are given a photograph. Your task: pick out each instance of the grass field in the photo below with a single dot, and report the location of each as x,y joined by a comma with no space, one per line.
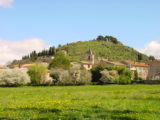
110,102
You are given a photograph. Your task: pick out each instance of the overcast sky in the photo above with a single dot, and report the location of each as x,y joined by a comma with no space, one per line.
27,25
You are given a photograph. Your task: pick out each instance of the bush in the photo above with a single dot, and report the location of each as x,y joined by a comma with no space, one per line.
73,76
14,77
38,74
60,77
101,74
123,79
109,76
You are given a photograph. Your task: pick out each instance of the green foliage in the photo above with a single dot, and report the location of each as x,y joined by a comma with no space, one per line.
44,53
139,57
109,76
33,56
102,48
108,39
123,79
38,74
105,73
61,60
151,58
73,76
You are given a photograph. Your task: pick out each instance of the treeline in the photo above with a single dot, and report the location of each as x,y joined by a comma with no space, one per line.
44,53
108,38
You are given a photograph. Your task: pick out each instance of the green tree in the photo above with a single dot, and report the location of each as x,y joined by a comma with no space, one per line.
140,57
111,39
33,56
38,74
100,38
151,58
61,60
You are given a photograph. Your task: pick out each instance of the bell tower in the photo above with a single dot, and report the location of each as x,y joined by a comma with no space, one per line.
90,56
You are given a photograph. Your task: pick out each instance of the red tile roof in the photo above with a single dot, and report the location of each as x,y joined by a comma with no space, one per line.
138,64
27,65
3,67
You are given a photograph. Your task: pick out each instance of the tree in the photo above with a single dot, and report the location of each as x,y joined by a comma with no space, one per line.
52,51
140,57
61,60
38,74
33,56
100,38
151,58
111,39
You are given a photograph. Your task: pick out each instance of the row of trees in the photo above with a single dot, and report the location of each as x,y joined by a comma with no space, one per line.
107,38
44,53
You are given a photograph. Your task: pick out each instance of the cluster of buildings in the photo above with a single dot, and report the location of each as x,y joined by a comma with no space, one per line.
145,71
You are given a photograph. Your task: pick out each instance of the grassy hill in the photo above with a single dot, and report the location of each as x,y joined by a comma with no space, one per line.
105,49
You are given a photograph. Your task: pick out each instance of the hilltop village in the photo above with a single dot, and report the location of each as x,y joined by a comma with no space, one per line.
146,71
104,60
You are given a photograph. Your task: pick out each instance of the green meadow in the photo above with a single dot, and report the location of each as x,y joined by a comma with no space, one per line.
108,102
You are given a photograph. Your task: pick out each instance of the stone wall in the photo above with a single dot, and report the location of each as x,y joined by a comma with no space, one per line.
154,68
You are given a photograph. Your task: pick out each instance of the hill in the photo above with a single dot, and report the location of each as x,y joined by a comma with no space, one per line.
103,47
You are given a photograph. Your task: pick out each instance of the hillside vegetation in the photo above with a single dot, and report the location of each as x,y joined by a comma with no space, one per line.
105,49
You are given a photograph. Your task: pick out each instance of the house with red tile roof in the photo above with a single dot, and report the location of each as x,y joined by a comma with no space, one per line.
141,68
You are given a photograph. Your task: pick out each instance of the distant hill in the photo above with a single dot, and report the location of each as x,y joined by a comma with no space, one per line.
103,47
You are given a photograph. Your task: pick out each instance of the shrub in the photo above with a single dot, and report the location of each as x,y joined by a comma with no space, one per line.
123,79
109,76
38,74
73,76
60,77
85,77
101,76
14,77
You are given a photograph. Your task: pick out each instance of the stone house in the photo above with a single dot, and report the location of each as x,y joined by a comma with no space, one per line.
141,68
154,70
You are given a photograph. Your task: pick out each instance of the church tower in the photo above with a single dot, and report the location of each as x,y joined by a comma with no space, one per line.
90,56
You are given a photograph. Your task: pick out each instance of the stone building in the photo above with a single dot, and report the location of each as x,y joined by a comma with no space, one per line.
89,61
154,70
141,68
